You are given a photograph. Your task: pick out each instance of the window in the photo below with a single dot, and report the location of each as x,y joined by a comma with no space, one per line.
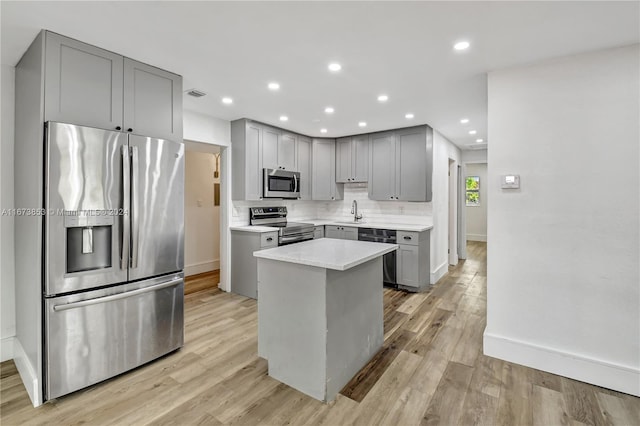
473,191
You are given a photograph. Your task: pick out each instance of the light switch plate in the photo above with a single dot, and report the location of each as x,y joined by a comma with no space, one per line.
510,181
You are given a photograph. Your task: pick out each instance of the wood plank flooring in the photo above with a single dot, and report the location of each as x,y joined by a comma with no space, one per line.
430,371
199,282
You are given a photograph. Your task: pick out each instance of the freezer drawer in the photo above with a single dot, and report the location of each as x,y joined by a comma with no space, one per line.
96,335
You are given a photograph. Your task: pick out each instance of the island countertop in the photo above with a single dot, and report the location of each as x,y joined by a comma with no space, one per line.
328,253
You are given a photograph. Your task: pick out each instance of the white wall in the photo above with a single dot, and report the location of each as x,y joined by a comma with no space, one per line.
476,219
563,269
7,276
474,156
202,217
443,150
206,129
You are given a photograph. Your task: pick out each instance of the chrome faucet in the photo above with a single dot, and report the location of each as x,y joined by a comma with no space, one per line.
354,211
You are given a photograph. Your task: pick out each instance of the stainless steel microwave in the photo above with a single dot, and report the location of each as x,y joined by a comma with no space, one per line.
278,183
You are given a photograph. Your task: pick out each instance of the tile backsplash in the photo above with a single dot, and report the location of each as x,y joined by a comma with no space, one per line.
372,211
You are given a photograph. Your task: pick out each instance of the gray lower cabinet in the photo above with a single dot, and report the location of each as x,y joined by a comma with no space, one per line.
303,153
413,260
341,232
401,164
83,83
244,266
352,159
89,86
323,171
318,232
152,101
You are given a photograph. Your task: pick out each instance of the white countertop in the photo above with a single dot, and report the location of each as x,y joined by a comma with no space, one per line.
249,228
409,227
328,253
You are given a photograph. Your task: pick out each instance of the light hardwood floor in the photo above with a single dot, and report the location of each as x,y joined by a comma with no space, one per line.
430,371
199,282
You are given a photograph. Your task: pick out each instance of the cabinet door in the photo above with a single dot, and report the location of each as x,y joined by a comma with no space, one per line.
382,166
360,158
343,160
350,233
331,231
411,165
323,176
287,152
270,141
407,265
152,101
83,84
253,168
318,232
303,151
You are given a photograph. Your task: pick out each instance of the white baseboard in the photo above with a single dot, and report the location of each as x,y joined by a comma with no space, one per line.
476,237
439,272
201,267
28,373
602,373
6,349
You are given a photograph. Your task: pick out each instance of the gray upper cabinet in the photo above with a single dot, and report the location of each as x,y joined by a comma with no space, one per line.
287,152
152,101
382,165
303,152
401,164
83,84
343,160
270,143
323,171
352,159
246,158
89,86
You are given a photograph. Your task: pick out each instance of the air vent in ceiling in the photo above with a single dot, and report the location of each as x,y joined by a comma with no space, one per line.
196,93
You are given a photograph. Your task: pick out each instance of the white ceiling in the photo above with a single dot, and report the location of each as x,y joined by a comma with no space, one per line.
402,49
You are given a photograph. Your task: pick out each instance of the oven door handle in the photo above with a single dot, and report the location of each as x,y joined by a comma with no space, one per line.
297,237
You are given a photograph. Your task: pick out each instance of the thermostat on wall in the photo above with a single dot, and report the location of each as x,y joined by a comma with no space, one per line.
510,181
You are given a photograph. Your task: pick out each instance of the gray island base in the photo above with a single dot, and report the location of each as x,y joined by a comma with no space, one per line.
320,312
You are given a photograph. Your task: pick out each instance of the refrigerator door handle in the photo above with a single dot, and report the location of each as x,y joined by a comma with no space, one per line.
126,201
118,296
135,228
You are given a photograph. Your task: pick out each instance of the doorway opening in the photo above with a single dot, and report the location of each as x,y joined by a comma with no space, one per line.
452,248
202,211
476,201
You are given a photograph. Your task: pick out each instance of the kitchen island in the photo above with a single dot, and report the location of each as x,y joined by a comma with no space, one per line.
320,313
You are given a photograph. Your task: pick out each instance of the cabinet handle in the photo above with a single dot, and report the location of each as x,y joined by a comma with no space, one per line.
391,198
118,128
407,238
129,129
271,238
396,198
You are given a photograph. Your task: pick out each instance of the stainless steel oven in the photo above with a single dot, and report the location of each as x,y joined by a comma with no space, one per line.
278,183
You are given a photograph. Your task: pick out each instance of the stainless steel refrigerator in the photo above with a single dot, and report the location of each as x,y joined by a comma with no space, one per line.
113,254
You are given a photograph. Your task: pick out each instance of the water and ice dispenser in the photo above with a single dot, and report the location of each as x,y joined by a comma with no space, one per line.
88,242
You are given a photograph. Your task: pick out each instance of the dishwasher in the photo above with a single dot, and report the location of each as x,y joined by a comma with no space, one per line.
389,259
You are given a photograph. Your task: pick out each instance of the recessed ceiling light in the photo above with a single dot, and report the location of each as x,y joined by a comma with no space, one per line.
362,124
273,86
284,118
409,116
227,101
479,140
464,120
383,98
329,110
335,67
461,45
323,130
472,132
